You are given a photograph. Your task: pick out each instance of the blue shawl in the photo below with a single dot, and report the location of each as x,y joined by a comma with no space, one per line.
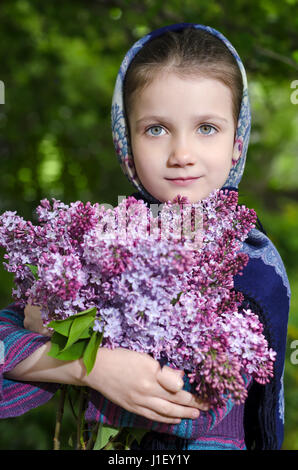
264,280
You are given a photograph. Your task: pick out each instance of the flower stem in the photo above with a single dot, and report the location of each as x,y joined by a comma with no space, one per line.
59,416
117,442
81,420
92,438
122,441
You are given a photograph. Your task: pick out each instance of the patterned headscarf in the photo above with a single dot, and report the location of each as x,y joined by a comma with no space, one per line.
120,128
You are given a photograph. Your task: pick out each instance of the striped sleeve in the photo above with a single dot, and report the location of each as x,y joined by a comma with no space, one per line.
16,344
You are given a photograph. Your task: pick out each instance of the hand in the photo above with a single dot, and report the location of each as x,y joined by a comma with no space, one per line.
33,320
136,382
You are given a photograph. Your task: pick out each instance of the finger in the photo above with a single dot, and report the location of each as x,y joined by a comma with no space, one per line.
184,398
202,405
26,324
154,416
191,399
166,409
32,310
170,379
46,332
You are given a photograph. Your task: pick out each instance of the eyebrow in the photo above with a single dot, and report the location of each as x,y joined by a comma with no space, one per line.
202,117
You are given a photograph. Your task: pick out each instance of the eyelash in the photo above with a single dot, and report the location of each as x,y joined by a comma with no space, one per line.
202,125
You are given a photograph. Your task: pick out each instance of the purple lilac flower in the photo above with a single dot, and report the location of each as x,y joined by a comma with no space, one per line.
156,289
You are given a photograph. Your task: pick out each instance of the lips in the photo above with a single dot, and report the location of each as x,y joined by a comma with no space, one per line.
183,179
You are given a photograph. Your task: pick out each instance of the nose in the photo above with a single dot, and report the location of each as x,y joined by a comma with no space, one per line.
181,152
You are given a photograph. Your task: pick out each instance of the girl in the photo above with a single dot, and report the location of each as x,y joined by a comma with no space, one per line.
181,124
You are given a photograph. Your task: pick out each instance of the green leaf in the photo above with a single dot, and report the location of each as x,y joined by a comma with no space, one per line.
63,327
138,433
78,327
87,333
175,300
104,434
90,311
33,269
75,351
91,350
57,344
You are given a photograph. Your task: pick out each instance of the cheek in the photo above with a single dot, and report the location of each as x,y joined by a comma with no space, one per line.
219,158
145,155
143,163
225,149
136,151
139,155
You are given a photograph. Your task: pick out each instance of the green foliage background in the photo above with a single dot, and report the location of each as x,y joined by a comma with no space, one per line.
59,62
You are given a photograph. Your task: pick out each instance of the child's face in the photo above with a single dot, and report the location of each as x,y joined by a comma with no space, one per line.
182,128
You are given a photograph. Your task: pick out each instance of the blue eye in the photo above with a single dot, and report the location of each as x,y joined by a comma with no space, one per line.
207,129
155,130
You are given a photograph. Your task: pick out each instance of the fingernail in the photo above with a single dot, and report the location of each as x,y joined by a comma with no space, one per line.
195,414
179,371
203,406
180,383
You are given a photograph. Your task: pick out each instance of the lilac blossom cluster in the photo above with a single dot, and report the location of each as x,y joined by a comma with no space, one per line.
156,289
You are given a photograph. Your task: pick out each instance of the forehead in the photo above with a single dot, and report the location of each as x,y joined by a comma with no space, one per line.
170,93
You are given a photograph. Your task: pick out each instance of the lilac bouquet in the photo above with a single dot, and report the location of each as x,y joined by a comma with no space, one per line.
160,284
